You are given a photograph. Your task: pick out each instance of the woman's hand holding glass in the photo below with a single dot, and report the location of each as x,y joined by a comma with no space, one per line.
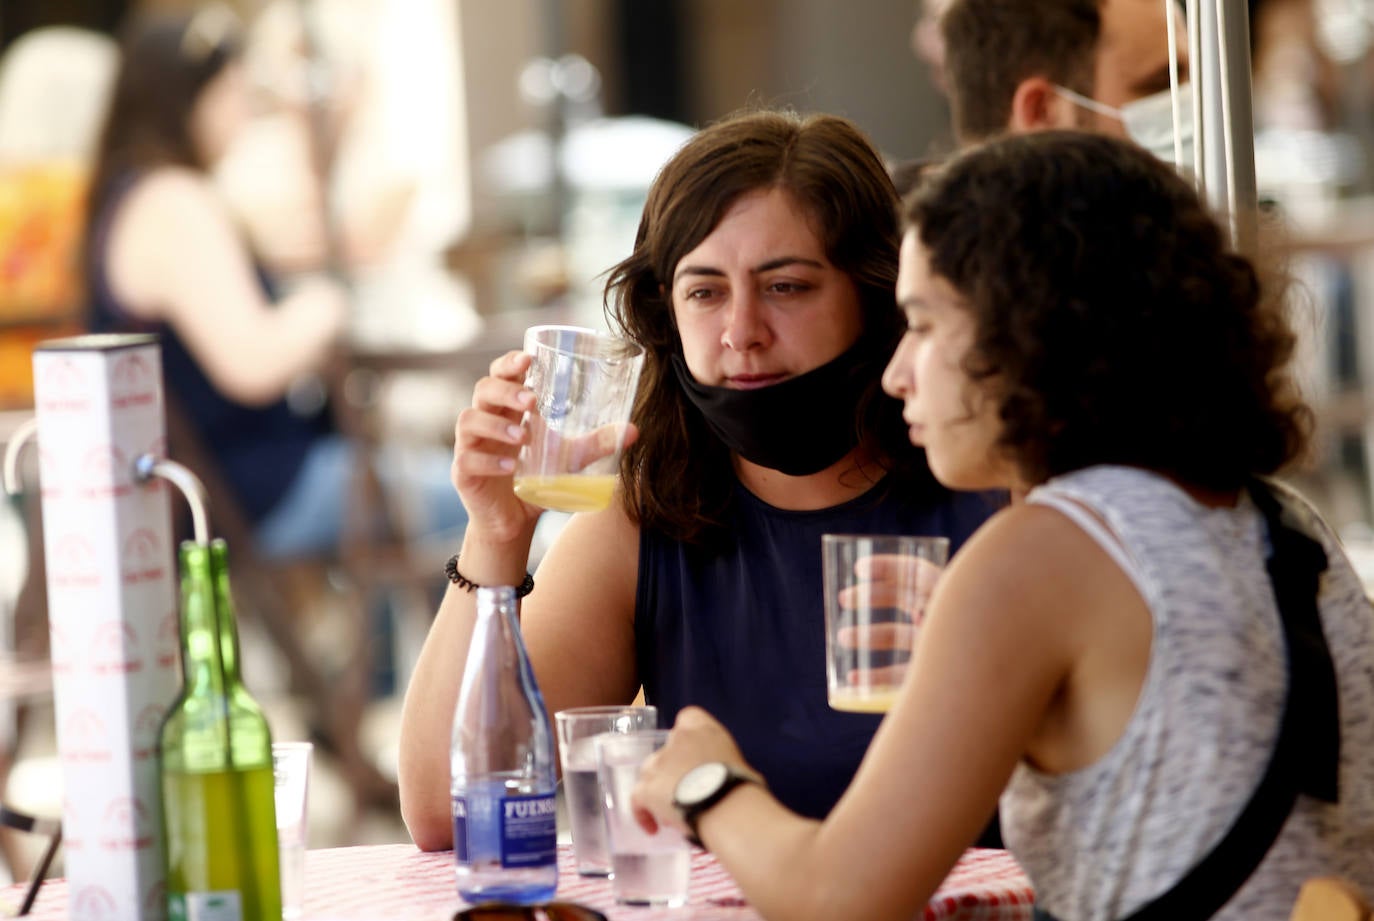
584,387
696,738
487,442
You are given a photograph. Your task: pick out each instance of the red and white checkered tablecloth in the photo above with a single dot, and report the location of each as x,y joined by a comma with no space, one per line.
396,882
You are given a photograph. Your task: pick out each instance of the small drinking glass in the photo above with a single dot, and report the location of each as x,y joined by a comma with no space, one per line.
291,778
876,588
645,869
577,731
584,386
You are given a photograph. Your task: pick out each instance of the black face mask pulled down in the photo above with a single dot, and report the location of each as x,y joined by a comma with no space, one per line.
799,426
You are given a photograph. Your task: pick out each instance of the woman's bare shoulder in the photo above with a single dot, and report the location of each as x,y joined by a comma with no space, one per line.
1028,527
170,241
174,192
1034,559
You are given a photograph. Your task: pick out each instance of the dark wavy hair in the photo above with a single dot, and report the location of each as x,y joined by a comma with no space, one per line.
678,477
1114,324
166,60
992,45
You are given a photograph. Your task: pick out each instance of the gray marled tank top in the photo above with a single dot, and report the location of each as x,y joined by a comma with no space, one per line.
1101,841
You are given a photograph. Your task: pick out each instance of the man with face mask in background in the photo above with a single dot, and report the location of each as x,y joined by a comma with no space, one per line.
1095,65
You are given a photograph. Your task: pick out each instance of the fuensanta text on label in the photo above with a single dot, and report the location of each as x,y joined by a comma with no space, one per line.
525,808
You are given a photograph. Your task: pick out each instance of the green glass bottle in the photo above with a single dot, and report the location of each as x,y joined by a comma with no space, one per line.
219,815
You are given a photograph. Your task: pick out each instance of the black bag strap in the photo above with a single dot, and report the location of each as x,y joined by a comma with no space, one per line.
1306,757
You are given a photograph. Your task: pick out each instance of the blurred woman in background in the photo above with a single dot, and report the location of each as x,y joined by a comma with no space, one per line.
164,255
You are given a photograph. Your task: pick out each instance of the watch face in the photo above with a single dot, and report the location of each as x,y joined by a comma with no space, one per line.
700,782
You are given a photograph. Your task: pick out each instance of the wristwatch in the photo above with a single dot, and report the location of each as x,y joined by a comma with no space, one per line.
704,786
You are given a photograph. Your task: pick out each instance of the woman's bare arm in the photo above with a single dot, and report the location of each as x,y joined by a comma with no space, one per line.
578,625
1000,650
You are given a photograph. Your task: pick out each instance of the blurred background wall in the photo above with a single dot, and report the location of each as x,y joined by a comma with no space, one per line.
689,61
693,61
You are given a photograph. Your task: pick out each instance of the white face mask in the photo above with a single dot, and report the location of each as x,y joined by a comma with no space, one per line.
1149,121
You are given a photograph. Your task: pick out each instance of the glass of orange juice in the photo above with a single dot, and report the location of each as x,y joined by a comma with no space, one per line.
584,386
876,588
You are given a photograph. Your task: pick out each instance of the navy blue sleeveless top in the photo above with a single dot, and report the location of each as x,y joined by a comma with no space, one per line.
260,449
741,632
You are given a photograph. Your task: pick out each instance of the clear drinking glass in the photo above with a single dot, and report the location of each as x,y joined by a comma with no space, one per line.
291,777
876,588
577,732
645,869
584,384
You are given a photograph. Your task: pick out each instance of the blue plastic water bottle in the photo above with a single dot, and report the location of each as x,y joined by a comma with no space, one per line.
502,766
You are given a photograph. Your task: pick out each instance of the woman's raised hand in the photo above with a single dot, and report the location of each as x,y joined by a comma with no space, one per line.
697,737
487,440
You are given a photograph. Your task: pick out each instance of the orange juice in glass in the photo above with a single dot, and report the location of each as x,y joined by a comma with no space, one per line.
584,386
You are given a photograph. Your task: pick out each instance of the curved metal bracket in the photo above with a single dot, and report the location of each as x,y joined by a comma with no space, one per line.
21,437
147,466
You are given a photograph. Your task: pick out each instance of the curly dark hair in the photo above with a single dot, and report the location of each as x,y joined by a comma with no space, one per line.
678,477
1113,322
992,45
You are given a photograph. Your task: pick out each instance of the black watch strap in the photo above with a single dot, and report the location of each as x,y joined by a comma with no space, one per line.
691,814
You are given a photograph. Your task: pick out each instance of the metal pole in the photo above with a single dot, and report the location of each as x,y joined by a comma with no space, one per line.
1222,71
1195,83
323,144
556,122
1171,18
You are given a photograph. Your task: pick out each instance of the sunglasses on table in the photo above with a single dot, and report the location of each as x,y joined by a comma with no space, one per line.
49,828
546,911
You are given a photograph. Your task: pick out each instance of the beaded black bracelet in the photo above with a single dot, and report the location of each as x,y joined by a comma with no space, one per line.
463,582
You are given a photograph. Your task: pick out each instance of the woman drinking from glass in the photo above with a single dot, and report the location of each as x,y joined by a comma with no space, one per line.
760,287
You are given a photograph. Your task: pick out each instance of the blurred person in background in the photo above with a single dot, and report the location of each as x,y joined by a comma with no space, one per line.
1297,83
1011,66
928,43
354,159
761,287
1095,65
164,255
